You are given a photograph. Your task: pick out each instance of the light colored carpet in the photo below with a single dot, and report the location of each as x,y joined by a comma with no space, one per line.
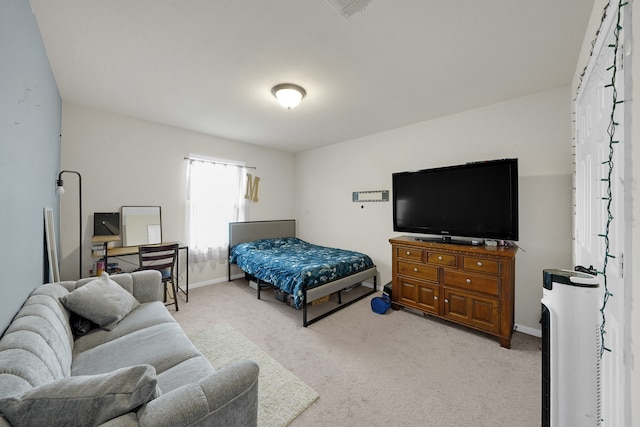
281,395
398,369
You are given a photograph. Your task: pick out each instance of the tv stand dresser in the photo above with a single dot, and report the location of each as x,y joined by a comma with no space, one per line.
468,285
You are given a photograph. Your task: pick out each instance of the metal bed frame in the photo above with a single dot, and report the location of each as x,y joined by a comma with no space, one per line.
249,231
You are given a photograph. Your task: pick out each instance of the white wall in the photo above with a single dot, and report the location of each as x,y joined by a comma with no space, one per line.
536,129
126,161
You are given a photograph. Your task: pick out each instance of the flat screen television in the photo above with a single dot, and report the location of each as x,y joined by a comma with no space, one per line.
473,200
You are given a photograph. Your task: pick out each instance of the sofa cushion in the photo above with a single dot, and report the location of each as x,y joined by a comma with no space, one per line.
163,346
144,316
101,301
83,400
189,371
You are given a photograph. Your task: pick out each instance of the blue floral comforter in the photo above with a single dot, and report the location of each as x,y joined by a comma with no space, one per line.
292,265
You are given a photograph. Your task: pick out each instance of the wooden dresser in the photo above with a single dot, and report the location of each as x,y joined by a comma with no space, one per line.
468,285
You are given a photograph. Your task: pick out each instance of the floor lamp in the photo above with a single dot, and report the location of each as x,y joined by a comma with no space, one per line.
60,191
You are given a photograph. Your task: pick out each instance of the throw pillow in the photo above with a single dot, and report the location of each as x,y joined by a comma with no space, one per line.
84,400
102,301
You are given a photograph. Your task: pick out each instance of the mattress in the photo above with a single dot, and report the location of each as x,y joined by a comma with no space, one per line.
292,264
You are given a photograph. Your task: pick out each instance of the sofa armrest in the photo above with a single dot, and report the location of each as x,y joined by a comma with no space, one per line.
228,397
147,285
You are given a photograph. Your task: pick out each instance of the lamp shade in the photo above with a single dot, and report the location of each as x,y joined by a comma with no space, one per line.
288,94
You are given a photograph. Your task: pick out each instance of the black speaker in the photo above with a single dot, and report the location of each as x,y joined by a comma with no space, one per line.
387,289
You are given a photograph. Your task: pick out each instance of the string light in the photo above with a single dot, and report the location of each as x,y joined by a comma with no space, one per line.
609,163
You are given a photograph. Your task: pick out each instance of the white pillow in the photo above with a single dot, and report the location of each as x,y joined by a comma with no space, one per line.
101,301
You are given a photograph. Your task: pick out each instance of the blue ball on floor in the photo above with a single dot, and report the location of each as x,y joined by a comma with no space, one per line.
380,304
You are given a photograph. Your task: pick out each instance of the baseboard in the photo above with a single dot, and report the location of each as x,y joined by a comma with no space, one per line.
529,331
214,281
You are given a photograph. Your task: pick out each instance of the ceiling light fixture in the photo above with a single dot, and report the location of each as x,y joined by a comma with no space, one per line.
288,94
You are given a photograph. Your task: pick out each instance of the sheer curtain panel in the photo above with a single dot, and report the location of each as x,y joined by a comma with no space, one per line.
215,198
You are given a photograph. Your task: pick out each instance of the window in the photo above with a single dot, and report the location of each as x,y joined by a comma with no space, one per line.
215,198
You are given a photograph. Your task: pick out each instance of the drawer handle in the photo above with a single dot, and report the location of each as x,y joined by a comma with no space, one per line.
435,298
468,280
408,252
440,258
415,269
446,300
479,263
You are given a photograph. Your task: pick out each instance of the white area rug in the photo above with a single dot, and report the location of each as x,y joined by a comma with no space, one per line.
281,395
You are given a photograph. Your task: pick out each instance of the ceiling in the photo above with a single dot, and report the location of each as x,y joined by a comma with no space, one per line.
209,65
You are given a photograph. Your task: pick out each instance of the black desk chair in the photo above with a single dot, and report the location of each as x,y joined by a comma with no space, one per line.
162,258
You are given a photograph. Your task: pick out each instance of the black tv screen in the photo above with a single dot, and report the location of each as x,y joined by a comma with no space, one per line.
106,223
474,200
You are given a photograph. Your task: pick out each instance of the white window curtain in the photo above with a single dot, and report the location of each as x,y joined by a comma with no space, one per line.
215,198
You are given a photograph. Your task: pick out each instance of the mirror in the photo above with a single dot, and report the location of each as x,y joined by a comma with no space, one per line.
141,225
52,246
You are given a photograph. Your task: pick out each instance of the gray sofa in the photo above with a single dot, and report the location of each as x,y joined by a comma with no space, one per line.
138,370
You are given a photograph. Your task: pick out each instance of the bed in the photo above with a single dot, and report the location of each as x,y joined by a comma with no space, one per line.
270,253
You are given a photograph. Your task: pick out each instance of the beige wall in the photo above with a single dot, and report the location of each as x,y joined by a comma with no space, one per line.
125,161
535,129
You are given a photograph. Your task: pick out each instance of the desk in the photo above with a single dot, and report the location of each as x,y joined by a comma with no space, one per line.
133,250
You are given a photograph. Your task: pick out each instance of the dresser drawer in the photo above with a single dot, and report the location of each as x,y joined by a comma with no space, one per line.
487,285
419,271
409,253
442,259
483,265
